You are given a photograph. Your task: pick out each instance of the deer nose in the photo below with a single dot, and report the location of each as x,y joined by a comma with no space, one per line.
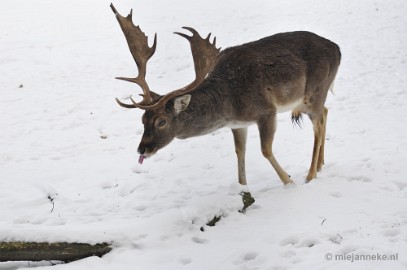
141,149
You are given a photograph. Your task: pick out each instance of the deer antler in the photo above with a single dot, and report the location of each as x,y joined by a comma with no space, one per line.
203,51
204,54
141,52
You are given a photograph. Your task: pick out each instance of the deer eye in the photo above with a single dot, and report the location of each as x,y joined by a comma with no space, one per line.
161,122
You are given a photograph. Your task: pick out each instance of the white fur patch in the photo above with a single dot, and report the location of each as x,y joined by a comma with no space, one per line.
239,124
288,107
331,87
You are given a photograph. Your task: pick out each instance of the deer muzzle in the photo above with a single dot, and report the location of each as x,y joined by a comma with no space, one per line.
145,151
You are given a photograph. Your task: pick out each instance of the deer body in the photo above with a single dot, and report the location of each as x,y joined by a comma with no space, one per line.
240,86
257,79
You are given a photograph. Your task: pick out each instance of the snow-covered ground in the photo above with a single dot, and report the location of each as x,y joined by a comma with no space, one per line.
68,161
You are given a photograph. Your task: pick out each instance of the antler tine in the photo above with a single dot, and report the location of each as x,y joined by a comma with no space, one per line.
203,51
183,35
204,54
113,8
141,52
128,106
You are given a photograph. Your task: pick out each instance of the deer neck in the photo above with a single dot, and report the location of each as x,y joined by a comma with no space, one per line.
206,112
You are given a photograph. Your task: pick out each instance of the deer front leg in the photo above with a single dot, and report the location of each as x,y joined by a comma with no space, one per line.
240,136
267,128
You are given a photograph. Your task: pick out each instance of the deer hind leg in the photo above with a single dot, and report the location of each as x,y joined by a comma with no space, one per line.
267,128
319,123
321,155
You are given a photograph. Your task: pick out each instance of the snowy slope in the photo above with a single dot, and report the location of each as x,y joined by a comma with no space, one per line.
68,161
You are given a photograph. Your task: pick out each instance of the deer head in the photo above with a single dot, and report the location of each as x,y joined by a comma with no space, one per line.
161,112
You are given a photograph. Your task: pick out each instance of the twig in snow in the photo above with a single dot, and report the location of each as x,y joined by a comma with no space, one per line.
52,201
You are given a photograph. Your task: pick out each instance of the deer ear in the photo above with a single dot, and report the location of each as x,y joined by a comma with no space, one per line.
181,103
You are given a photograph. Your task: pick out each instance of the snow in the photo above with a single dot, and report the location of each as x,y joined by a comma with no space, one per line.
68,161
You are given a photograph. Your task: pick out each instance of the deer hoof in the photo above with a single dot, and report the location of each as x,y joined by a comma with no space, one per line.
290,185
310,177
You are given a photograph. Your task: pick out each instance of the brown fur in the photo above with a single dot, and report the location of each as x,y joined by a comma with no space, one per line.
248,85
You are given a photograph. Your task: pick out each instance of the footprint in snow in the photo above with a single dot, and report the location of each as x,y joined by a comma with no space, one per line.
246,258
185,261
295,241
336,194
199,240
292,240
249,256
391,234
308,243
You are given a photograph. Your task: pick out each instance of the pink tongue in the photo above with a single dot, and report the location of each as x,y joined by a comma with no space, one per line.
141,159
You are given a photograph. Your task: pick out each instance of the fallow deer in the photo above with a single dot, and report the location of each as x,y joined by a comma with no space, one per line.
237,87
